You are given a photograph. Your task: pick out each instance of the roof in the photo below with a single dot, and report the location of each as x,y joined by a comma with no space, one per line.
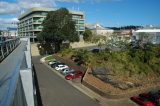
96,27
46,10
148,30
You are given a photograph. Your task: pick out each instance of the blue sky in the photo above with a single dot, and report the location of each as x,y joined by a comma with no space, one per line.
106,12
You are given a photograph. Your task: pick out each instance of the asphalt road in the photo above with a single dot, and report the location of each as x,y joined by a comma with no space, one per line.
55,91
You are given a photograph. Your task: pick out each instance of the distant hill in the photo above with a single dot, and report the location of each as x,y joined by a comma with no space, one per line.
125,27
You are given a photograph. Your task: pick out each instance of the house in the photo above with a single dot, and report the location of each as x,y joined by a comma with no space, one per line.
98,29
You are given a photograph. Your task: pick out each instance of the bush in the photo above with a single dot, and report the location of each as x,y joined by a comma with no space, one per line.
131,62
49,58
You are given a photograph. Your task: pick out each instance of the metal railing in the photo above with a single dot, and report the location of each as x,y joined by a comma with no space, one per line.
6,47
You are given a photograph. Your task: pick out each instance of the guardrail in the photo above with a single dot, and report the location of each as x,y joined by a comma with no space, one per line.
6,47
18,86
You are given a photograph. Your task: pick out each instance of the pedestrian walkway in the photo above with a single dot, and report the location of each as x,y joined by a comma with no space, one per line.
34,49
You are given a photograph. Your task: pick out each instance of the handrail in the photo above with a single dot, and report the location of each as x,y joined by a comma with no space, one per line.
6,47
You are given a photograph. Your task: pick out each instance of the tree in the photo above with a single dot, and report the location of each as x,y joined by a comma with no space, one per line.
58,27
87,36
99,40
117,42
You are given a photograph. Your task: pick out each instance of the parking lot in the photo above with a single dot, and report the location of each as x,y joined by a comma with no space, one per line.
55,91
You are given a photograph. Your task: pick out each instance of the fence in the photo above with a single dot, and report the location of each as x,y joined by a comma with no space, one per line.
6,47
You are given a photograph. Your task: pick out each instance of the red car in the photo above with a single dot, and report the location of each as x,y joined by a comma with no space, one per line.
142,101
154,97
73,75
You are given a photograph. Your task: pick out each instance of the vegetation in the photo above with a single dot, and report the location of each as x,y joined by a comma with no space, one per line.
87,36
57,28
50,57
130,63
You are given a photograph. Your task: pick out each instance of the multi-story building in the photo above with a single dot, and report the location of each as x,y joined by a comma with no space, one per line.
30,23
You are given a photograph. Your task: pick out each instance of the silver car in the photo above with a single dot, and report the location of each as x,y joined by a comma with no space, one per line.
67,71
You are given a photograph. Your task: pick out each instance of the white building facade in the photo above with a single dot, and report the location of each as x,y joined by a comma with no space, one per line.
98,29
153,35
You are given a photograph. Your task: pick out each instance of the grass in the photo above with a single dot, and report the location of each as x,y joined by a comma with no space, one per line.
50,57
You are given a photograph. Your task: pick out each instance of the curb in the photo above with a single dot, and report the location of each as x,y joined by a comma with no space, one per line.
43,59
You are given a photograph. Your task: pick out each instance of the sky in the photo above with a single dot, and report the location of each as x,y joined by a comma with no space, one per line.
109,13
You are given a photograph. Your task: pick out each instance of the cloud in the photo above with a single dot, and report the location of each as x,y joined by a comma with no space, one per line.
9,22
99,1
22,5
8,8
19,6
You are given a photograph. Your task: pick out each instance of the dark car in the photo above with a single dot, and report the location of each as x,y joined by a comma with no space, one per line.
153,96
52,62
56,64
95,50
74,75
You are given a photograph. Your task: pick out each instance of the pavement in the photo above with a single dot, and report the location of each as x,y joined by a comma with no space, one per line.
55,91
93,95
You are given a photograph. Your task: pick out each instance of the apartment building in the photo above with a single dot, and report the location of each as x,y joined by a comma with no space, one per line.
30,23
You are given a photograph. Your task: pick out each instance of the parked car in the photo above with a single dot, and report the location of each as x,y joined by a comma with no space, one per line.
74,75
56,64
52,62
95,50
67,71
154,97
60,67
142,101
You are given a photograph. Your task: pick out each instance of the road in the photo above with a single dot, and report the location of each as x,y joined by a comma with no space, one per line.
55,91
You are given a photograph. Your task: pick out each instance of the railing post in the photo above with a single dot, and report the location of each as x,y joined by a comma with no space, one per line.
10,46
7,49
2,51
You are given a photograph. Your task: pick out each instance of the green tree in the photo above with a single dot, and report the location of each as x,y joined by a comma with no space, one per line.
87,36
117,41
99,40
58,27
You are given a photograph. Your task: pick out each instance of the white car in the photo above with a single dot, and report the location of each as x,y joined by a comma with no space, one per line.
60,67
